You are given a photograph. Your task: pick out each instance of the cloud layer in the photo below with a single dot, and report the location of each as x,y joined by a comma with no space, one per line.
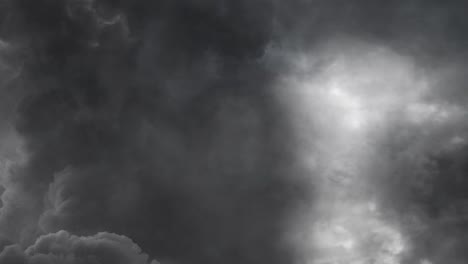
149,119
219,131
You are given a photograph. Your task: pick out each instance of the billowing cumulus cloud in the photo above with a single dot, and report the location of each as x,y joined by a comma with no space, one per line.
61,247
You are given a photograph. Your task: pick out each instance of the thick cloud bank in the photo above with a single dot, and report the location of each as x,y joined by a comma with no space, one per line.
151,119
219,131
61,247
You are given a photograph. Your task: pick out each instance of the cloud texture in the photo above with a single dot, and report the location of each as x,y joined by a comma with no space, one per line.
148,119
61,247
221,131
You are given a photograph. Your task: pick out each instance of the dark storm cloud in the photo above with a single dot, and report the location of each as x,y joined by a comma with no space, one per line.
149,119
420,177
156,120
433,25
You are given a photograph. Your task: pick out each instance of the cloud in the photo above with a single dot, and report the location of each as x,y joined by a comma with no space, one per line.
160,120
62,247
153,120
401,154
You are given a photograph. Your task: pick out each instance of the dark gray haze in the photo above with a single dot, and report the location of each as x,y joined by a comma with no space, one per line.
216,131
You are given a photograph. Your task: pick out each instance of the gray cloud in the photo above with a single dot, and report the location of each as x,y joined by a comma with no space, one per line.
160,120
151,120
61,247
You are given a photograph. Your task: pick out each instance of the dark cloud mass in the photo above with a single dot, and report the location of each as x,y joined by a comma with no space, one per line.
157,125
61,247
150,119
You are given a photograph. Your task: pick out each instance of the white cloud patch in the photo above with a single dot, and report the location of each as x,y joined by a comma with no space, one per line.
346,100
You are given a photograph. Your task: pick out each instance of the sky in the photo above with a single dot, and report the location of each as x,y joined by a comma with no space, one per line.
219,131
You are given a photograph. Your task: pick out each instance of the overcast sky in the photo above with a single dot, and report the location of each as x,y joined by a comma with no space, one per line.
216,131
